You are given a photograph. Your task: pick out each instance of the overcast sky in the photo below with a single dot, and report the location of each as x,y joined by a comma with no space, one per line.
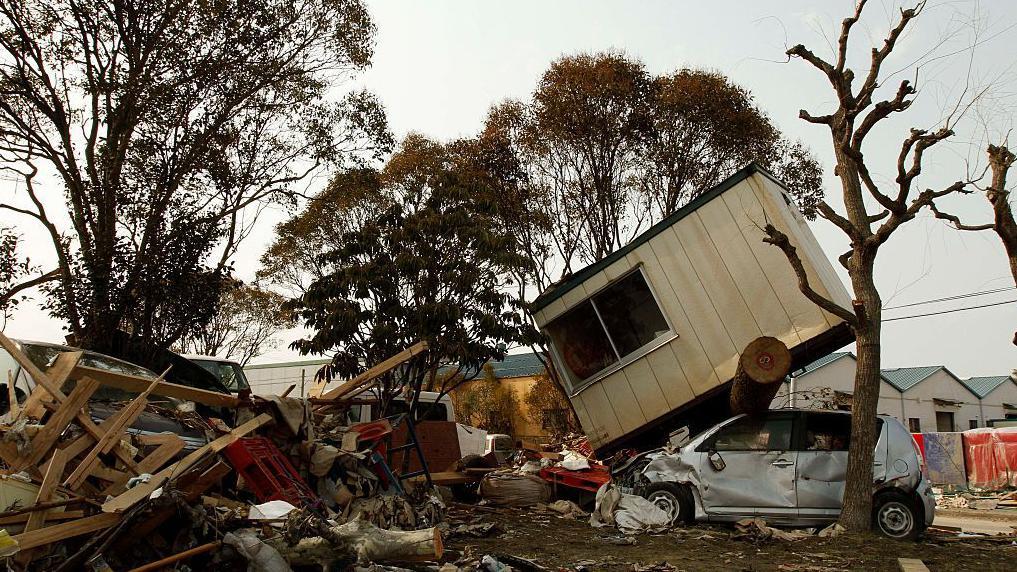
440,65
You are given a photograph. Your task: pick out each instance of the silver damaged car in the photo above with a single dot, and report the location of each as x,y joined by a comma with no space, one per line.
788,466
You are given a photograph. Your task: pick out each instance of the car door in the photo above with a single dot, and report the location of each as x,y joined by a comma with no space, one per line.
822,463
749,468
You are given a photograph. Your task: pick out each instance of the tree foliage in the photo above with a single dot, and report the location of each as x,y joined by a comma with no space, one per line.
605,149
168,125
15,270
433,263
486,403
244,326
548,405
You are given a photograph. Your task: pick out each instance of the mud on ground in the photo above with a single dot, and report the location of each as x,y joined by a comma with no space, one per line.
555,542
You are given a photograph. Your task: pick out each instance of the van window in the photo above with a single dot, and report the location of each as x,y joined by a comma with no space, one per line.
753,434
827,432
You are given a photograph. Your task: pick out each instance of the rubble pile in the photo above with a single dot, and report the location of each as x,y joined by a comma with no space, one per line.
181,475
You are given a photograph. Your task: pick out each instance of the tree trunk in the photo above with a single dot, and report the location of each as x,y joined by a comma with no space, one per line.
366,543
857,509
764,363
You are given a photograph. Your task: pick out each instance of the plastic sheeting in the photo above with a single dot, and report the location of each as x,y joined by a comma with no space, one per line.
944,457
630,513
991,457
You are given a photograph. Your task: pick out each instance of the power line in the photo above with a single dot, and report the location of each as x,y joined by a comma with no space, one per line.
949,311
948,298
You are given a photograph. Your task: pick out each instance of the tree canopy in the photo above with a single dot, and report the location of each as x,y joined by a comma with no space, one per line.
434,262
168,125
605,149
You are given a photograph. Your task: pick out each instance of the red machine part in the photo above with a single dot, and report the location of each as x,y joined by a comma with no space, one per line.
267,472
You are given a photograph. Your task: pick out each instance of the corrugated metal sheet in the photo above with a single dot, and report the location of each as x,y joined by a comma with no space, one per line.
983,386
904,378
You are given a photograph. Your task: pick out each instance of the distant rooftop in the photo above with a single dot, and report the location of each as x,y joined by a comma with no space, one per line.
904,378
983,386
516,365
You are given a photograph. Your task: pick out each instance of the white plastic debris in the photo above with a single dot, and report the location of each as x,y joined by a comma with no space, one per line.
573,461
271,510
630,513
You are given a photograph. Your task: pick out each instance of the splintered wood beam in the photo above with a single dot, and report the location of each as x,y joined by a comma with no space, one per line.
54,470
381,369
58,373
139,384
168,447
32,370
54,427
134,495
111,438
66,530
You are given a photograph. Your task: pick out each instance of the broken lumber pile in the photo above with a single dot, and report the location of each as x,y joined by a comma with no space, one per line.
84,481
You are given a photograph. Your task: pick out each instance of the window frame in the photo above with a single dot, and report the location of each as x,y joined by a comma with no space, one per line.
621,361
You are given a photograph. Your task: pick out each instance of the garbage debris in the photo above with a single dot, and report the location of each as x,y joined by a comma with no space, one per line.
756,530
631,514
163,473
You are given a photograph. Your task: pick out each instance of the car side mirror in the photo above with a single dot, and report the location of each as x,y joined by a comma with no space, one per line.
716,461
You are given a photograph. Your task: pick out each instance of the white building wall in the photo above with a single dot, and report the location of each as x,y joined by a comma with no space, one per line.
274,379
812,389
992,404
919,402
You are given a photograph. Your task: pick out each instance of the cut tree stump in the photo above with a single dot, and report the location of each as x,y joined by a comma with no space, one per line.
763,365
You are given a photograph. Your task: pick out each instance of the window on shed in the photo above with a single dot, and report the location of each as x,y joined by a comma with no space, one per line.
914,425
972,424
612,326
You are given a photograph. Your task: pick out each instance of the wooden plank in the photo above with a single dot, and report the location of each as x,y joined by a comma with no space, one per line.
191,486
124,418
68,411
380,369
65,530
169,446
58,396
911,565
141,491
48,515
54,471
59,373
33,371
139,384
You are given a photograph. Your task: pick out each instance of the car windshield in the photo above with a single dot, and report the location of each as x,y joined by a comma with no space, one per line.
230,374
44,355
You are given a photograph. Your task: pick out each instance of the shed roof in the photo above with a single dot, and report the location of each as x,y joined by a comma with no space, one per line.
984,385
580,276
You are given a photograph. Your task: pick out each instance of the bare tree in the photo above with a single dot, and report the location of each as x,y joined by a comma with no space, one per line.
1003,223
244,326
898,201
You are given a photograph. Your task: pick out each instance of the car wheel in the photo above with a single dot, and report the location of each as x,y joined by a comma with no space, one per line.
674,499
894,515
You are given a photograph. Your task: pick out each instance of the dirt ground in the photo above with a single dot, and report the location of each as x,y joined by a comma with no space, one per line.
554,542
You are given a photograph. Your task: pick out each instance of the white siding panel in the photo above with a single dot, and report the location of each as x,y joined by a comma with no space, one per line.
604,423
622,400
695,368
692,297
646,388
670,377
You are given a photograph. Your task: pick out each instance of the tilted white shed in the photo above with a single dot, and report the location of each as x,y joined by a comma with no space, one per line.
656,328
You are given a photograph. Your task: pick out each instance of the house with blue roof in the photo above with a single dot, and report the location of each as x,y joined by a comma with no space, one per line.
924,398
